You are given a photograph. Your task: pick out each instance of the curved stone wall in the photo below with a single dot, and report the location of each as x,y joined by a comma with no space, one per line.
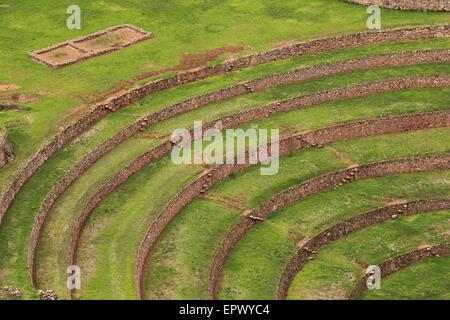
246,116
421,5
338,231
301,74
315,185
287,146
400,262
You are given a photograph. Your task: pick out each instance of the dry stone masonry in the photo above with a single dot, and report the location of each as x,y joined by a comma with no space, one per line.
315,185
6,149
400,262
421,5
250,115
309,248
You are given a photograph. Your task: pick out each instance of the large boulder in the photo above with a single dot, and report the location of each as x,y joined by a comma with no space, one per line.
6,149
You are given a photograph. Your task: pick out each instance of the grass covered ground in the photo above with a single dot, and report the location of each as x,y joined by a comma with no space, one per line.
126,248
426,280
333,272
191,27
264,251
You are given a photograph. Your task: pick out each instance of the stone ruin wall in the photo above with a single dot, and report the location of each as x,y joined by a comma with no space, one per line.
420,5
122,99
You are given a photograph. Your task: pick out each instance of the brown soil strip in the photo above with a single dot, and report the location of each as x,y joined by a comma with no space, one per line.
120,100
308,249
400,262
220,95
420,5
315,185
287,146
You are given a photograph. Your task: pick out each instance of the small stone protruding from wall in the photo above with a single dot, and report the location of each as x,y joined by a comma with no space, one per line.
6,149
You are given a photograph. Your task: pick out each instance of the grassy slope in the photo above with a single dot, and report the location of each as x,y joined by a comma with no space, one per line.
20,224
316,213
68,207
335,269
183,238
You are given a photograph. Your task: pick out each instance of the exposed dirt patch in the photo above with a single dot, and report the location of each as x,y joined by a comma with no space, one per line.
89,133
193,60
389,201
444,230
331,293
340,230
294,236
9,87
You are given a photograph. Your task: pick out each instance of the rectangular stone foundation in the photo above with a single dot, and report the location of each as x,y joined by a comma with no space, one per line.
98,43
